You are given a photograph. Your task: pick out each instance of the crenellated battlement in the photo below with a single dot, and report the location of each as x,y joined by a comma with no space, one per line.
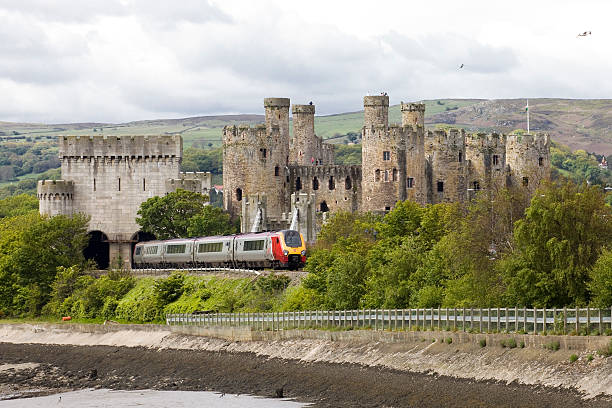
412,107
375,100
276,102
540,141
249,134
50,189
485,140
162,146
445,138
303,109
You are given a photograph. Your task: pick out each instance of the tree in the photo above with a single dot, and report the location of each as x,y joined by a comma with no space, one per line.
211,221
601,281
18,205
565,229
32,247
170,216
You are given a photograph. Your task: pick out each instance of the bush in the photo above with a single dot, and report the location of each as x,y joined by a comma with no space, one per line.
553,346
590,358
522,344
573,358
483,342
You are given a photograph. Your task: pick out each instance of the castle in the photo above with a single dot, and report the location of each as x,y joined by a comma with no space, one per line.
273,180
108,177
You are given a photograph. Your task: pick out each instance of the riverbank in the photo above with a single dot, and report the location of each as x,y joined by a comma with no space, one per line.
334,370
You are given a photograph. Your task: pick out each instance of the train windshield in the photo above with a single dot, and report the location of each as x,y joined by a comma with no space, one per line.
293,239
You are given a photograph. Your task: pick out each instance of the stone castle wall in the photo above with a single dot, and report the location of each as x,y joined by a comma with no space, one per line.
446,165
528,157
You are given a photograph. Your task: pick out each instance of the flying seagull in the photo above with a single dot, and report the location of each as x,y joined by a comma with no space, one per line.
460,66
584,34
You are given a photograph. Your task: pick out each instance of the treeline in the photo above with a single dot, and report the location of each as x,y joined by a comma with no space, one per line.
27,157
553,251
579,166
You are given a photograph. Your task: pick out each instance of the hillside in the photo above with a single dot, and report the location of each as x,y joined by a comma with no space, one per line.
578,123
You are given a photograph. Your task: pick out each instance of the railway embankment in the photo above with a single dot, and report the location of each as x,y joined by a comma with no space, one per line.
573,363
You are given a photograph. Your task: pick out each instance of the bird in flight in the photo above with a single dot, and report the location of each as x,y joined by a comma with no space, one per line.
584,34
460,66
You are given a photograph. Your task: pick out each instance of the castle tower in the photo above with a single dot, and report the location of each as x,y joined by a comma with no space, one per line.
413,114
486,155
107,178
413,118
255,161
446,167
55,197
528,157
376,111
383,157
303,150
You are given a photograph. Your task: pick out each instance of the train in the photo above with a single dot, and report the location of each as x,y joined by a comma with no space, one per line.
284,249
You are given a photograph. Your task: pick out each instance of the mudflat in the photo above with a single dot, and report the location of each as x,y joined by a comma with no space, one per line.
49,368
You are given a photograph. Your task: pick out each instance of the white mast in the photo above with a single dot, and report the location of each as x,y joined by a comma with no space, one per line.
527,110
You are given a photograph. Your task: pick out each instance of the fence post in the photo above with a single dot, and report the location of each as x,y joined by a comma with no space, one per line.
525,319
577,321
599,321
471,319
454,318
480,320
588,330
417,318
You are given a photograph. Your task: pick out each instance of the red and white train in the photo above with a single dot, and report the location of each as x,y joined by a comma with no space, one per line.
274,249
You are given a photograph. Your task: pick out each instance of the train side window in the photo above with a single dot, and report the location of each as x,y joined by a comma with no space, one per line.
138,250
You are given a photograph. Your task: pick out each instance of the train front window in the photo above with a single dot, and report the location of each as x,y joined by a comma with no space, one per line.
293,239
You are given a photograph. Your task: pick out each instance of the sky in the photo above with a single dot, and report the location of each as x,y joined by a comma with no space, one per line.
122,60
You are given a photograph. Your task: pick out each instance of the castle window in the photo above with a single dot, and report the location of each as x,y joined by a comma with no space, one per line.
144,185
540,161
238,194
119,185
315,183
386,175
386,155
440,186
495,160
276,171
387,209
377,175
324,207
394,177
332,183
298,184
476,185
94,184
525,181
348,183
460,157
410,182
263,153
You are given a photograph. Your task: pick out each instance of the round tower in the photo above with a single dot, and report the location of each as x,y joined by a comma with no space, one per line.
528,158
55,197
303,147
383,152
255,161
375,110
413,114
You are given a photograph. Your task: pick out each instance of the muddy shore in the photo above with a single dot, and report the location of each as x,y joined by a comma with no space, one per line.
64,367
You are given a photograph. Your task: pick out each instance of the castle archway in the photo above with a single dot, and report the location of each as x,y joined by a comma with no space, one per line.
97,249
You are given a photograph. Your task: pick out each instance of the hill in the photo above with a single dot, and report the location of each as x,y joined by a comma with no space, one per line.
578,123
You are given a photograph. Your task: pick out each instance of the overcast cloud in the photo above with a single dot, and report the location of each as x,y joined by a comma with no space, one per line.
121,60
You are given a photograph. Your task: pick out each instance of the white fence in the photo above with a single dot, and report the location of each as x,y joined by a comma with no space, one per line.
566,320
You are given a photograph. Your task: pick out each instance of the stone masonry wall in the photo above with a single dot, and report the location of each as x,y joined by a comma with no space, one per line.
445,153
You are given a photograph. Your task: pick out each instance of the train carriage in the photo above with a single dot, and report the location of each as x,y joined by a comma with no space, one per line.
148,253
253,250
213,251
178,252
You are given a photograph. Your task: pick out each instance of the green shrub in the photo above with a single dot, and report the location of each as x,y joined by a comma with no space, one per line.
590,357
522,344
573,358
483,342
553,346
449,340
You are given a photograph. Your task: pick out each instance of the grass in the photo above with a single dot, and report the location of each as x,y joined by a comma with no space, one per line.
483,342
449,340
606,351
573,358
509,343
